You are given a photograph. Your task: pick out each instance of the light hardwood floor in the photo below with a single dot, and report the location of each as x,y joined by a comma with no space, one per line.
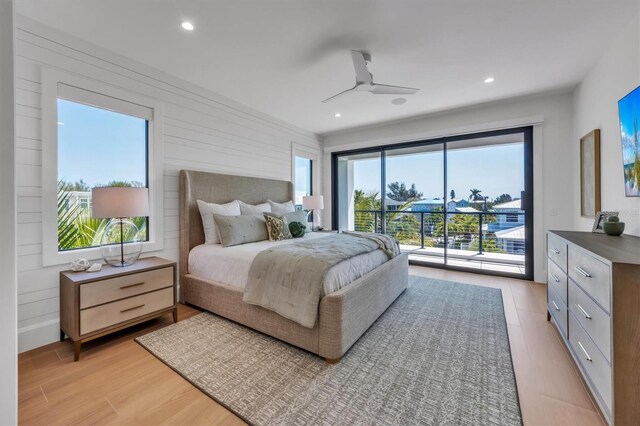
116,381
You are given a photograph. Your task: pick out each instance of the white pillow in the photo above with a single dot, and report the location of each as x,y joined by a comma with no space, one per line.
281,208
207,210
258,209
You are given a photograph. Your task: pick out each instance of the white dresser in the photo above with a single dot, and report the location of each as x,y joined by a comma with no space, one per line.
593,296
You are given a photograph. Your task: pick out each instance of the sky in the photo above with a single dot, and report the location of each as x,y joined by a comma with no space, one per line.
495,170
99,146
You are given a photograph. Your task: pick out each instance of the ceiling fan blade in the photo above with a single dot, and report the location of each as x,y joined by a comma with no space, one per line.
362,73
340,94
385,89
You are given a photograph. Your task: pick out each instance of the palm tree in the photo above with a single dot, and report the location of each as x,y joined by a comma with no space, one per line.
475,195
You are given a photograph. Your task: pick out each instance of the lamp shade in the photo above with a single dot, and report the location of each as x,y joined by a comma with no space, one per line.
313,202
110,202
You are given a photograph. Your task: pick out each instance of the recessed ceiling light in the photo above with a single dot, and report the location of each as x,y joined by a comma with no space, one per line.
489,80
187,26
337,115
399,101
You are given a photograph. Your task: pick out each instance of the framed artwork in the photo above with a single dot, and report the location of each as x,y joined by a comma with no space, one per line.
629,110
601,217
590,174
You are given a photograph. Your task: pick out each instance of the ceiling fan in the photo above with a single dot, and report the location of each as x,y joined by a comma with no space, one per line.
364,80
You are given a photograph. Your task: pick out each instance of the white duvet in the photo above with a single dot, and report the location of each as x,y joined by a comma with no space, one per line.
230,265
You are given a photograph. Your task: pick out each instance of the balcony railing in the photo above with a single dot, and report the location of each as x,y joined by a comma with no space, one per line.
467,231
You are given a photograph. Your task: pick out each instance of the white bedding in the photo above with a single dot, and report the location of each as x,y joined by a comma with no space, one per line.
230,265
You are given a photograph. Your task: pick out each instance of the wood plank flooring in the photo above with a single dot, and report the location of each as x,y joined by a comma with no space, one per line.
116,381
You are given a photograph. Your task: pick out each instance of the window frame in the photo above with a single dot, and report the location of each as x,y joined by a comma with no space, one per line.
307,153
106,97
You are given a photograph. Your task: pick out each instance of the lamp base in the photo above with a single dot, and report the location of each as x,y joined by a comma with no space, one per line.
121,243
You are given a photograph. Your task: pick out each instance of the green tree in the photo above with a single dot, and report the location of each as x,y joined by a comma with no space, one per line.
476,195
80,186
504,198
636,166
398,191
365,221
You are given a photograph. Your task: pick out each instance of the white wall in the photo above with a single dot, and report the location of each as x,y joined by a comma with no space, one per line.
552,116
202,131
595,104
8,317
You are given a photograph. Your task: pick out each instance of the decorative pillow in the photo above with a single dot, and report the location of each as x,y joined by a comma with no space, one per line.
277,227
236,230
297,229
258,209
207,210
281,208
296,216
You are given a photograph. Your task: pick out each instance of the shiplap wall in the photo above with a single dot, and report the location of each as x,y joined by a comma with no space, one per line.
202,131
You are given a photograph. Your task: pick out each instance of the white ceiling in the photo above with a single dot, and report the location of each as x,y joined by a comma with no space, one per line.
283,57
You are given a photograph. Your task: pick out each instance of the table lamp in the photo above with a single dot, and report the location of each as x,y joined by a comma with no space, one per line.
121,242
312,203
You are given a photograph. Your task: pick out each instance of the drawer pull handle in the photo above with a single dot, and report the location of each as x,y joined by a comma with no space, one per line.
131,309
555,306
556,279
555,250
583,272
131,285
586,315
586,354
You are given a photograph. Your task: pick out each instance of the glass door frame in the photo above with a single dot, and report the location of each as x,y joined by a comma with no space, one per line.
526,195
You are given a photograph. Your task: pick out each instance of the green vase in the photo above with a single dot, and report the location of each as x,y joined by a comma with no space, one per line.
613,228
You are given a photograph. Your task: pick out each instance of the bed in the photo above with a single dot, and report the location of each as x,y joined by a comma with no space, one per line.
346,310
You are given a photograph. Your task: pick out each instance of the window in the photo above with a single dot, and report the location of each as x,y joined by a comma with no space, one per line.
303,179
96,147
513,217
95,135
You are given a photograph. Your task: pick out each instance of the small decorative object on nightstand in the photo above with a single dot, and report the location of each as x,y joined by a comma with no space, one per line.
612,226
121,242
96,304
313,203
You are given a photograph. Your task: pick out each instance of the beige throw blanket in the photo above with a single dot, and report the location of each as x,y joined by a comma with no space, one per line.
288,279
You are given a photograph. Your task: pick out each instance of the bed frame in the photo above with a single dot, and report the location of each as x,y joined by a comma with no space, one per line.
343,315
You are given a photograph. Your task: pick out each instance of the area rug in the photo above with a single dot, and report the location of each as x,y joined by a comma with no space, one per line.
439,355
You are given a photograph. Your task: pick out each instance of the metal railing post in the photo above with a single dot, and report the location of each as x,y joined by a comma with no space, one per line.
421,230
480,248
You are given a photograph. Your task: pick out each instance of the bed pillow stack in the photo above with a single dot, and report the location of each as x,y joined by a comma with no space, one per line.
237,222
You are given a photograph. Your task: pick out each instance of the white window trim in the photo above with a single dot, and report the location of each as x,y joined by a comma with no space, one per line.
50,80
308,153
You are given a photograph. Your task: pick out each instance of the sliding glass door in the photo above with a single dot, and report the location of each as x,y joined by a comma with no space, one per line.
459,202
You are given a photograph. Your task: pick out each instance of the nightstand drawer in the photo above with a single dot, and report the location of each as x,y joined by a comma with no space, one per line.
591,275
557,251
557,280
595,321
105,291
103,316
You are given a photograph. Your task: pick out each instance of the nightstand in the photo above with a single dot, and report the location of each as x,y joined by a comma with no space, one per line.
94,304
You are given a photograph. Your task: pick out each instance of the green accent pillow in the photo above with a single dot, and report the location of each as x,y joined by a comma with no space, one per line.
277,227
297,229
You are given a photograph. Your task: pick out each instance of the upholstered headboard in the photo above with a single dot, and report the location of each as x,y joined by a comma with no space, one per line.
218,188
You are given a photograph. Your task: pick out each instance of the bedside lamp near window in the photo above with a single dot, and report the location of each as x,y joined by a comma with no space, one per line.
312,203
121,242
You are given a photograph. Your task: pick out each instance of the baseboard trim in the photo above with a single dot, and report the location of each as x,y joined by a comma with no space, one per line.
37,335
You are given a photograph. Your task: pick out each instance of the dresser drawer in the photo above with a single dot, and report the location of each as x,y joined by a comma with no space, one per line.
557,280
557,251
105,291
102,316
595,321
594,365
592,275
558,310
